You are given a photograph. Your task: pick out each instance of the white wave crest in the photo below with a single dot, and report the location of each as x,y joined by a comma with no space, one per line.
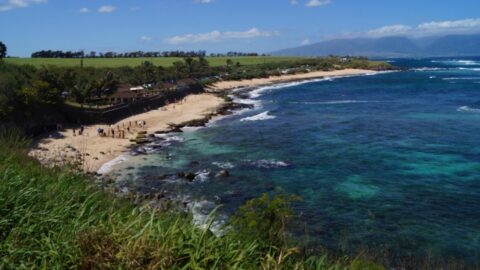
224,165
108,167
201,217
458,62
427,69
270,164
468,109
336,102
461,78
203,175
259,117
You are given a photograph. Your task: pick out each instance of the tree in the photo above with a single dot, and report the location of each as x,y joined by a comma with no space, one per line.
3,50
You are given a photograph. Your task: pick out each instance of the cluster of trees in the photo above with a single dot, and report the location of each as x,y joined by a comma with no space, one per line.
134,54
235,54
3,50
25,88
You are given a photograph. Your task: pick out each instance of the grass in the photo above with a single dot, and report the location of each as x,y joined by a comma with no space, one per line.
58,219
119,62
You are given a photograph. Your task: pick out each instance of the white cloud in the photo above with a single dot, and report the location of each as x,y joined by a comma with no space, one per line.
84,10
13,4
106,9
435,28
390,30
306,41
146,38
293,2
203,1
217,36
316,3
442,25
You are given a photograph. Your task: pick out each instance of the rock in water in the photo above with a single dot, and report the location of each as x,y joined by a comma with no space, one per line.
190,176
223,173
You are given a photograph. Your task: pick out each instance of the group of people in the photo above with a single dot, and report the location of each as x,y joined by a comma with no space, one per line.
80,131
119,131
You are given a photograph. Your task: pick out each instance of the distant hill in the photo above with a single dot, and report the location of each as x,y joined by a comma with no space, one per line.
452,45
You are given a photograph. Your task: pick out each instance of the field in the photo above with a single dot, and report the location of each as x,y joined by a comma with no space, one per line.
119,62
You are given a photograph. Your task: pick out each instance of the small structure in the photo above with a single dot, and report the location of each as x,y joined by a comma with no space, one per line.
126,93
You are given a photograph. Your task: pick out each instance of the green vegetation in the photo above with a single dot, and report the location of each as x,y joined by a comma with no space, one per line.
133,62
58,219
3,50
26,90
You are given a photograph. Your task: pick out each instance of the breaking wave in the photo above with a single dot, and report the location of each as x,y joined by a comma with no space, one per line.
468,109
259,117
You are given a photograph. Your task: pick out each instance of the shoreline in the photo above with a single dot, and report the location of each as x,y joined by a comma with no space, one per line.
92,152
273,80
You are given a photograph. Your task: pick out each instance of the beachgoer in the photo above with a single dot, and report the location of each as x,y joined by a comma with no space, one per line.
74,134
113,133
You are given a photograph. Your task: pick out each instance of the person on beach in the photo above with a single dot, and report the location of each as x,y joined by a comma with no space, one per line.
74,134
82,128
113,133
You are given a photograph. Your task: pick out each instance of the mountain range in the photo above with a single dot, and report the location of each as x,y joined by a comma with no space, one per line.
451,45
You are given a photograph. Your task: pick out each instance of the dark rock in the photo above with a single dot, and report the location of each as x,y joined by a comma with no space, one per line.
190,176
194,163
181,175
223,173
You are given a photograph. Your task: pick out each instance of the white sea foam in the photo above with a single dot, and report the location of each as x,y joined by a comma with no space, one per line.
191,129
470,69
461,78
108,167
169,137
468,109
336,102
428,69
259,117
269,163
458,62
201,217
224,165
203,175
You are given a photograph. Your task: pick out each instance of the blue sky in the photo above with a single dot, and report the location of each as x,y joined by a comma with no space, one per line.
221,25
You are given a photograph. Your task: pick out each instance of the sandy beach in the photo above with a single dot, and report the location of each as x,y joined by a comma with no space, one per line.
226,85
92,150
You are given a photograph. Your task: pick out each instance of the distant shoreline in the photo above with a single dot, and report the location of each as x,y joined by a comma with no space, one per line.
272,80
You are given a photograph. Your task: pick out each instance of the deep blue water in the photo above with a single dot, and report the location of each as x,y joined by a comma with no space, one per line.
389,161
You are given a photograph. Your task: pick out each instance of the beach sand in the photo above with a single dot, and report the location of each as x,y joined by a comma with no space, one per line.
91,151
226,85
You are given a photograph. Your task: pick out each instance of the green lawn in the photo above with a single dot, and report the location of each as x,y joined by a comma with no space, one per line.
118,62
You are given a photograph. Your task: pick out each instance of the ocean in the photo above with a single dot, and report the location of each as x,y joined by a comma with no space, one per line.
388,161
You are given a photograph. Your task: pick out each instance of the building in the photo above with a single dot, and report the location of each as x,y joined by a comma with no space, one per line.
126,93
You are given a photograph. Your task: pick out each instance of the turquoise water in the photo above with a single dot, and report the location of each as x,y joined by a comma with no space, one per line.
388,161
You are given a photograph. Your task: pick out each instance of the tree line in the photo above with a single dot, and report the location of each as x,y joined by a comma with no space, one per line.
133,54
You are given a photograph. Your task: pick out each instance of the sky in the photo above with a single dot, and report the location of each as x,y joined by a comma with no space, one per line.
221,25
